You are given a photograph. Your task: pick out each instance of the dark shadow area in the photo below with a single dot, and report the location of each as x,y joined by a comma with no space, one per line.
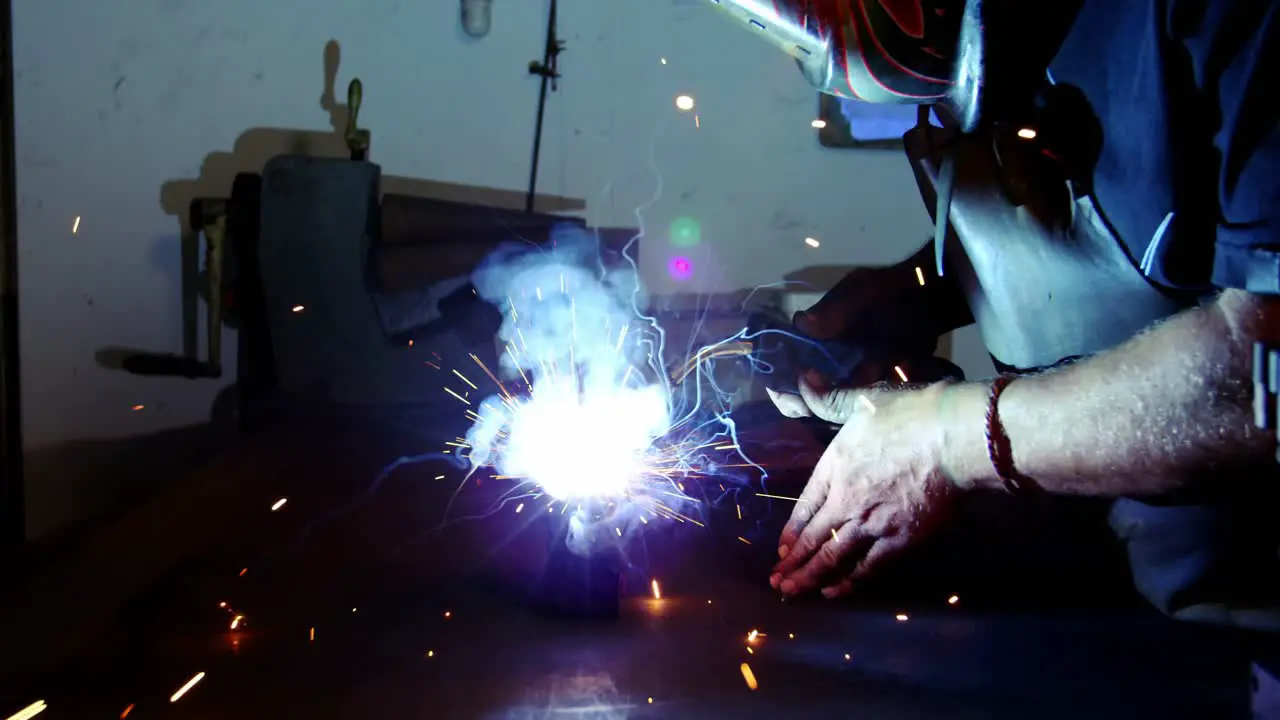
86,485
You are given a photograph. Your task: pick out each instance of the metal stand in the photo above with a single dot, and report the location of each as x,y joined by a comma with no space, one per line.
1266,388
549,70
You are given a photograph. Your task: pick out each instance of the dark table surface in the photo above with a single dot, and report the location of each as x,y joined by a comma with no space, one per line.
354,600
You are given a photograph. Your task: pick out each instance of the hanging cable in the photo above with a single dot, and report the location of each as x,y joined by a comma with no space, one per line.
548,70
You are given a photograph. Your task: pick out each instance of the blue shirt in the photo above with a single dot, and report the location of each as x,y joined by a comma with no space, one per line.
1187,93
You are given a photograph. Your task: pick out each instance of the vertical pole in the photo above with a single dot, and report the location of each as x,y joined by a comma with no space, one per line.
547,70
12,497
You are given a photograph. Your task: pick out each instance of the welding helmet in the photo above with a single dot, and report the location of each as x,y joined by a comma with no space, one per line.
914,52
880,51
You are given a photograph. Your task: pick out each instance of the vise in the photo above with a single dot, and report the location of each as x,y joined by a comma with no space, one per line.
341,293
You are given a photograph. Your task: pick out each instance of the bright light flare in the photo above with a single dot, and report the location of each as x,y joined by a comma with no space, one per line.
684,102
186,687
749,677
30,711
585,444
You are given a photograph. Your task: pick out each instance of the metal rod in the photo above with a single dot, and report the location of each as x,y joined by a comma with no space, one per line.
12,495
548,70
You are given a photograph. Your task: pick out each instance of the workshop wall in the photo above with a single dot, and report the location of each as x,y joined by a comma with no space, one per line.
126,112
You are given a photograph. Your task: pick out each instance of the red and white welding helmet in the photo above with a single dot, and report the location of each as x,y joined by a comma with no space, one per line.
879,51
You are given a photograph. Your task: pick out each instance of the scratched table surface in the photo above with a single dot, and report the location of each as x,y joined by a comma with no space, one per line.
353,601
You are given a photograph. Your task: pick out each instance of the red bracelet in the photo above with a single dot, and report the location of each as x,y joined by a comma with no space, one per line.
999,450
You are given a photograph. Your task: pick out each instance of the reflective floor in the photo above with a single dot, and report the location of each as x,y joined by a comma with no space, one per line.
347,603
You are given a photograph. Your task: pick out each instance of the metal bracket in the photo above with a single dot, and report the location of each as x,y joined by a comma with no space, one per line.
1266,388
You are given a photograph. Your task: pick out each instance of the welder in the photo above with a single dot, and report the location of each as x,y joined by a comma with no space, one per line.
1106,181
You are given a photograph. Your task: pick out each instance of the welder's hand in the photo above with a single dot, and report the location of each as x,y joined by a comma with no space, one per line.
878,488
816,399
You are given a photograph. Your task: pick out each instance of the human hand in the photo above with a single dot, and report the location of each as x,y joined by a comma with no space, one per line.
878,488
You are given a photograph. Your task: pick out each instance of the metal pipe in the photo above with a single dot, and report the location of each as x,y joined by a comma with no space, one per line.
12,496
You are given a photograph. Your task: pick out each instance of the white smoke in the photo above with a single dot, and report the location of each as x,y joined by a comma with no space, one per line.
571,331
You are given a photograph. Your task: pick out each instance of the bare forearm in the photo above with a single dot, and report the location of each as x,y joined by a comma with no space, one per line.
1144,418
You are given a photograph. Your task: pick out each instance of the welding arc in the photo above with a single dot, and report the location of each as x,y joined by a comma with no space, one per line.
710,352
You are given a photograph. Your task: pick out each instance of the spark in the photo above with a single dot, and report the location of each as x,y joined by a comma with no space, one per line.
185,688
431,653
847,657
312,635
866,403
125,713
749,676
299,308
684,102
279,504
953,599
778,497
919,275
235,621
834,537
581,406
900,617
818,124
1027,133
447,614
465,380
138,408
901,374
75,225
811,242
243,571
30,711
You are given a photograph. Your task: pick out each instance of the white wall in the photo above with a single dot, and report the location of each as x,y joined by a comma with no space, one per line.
114,100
